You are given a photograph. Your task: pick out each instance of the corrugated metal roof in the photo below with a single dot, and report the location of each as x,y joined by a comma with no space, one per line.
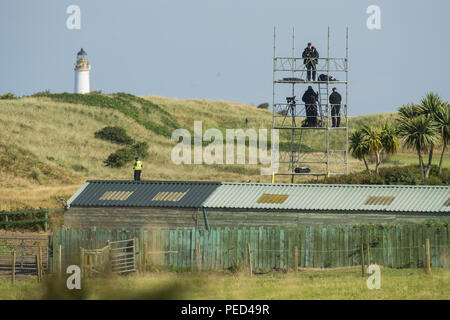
142,194
300,197
322,197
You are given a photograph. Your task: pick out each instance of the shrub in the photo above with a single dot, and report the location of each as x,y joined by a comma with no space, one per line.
45,93
8,96
80,168
283,113
119,158
264,105
125,155
140,149
407,175
36,175
114,134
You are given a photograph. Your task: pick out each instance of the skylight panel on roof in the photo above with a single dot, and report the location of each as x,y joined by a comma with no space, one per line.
273,198
169,196
379,200
116,195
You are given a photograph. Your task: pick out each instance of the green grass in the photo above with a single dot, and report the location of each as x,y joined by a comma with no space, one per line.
344,283
376,119
409,159
142,111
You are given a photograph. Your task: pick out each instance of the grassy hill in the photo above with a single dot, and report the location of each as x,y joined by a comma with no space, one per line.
48,148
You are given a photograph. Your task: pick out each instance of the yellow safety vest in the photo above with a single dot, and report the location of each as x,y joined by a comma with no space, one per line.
138,166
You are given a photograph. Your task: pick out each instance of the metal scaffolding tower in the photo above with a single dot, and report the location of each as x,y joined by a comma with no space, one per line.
320,149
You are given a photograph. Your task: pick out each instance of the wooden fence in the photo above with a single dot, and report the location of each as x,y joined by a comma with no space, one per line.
400,246
30,217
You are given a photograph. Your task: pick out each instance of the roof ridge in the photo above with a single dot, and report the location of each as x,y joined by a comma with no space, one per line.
272,184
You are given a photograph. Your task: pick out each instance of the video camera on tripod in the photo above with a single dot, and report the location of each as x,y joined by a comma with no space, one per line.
291,101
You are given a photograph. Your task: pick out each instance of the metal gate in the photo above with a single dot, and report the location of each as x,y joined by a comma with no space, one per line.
21,257
123,255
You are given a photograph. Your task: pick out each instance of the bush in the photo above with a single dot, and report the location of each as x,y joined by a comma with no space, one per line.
8,96
36,175
264,105
119,158
408,175
114,134
283,113
125,155
140,149
45,93
80,168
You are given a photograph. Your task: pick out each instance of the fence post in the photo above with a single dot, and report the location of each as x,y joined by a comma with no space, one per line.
59,261
368,254
41,272
38,267
199,258
362,259
424,259
428,263
46,222
82,261
249,259
13,268
145,257
296,259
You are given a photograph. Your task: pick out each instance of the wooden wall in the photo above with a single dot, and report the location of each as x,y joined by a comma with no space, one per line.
397,246
172,218
130,218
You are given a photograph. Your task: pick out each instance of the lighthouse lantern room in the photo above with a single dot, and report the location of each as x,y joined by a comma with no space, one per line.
82,69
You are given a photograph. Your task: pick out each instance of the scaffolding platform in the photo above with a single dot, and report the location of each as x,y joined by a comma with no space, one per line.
311,82
315,139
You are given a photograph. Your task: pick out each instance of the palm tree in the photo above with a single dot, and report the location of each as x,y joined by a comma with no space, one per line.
429,107
443,122
373,139
389,138
358,147
419,133
407,112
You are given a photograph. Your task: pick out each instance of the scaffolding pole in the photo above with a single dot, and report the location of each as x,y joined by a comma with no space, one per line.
334,159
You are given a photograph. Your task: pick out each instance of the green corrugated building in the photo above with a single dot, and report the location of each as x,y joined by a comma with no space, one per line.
183,204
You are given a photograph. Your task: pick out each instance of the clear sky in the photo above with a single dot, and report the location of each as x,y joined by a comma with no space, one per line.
222,50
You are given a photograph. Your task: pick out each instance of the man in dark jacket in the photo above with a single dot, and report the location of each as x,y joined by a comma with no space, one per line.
335,101
309,98
310,59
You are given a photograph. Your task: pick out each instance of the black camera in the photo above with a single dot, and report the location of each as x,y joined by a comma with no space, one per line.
291,100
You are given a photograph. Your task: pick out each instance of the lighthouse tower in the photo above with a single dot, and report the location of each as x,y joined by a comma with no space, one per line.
82,69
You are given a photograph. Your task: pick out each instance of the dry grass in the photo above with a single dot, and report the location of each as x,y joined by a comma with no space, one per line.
54,149
35,196
343,283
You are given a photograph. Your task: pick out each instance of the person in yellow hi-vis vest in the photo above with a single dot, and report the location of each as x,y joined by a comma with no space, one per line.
137,169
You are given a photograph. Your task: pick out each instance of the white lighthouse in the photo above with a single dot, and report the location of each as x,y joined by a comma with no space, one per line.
82,69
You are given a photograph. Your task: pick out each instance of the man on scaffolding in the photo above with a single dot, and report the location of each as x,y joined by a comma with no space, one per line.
310,98
310,59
